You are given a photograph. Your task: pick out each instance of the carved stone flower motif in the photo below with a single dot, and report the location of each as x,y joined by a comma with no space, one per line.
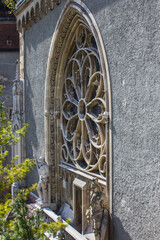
84,108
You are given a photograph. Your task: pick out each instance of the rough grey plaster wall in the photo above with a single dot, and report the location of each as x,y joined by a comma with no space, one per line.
8,71
130,30
131,34
37,43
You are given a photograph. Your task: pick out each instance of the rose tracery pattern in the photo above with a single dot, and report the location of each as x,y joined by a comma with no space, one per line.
83,117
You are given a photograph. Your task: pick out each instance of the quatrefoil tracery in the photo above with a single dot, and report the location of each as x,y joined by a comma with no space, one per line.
84,107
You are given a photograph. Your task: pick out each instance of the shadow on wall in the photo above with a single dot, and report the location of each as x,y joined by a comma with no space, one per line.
31,136
118,231
101,5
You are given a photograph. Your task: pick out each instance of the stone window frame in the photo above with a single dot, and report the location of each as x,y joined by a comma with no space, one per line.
84,116
82,186
74,9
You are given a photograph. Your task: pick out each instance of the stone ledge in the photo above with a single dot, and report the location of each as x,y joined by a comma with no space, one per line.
83,174
69,229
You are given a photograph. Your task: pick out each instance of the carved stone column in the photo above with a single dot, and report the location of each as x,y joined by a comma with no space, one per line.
17,117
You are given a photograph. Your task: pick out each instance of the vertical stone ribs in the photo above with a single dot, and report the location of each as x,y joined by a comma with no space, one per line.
84,106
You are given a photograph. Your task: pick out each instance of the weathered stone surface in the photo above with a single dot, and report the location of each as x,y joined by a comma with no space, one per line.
130,31
37,43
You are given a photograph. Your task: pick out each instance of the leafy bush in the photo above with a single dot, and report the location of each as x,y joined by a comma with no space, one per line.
10,4
15,221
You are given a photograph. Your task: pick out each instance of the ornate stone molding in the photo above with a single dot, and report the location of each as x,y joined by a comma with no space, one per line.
43,186
17,115
52,114
74,15
83,115
97,213
30,11
75,12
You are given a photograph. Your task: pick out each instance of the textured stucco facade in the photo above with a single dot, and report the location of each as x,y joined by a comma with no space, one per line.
131,35
130,32
36,48
7,74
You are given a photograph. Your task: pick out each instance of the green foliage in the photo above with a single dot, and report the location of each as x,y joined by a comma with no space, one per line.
11,4
54,227
11,172
21,226
23,130
6,136
25,226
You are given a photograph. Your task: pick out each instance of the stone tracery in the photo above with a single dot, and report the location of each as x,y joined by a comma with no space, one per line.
84,113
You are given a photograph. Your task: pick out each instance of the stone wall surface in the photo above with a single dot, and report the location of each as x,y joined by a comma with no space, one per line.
37,43
130,31
7,76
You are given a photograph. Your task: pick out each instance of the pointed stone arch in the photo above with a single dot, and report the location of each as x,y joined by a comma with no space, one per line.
74,15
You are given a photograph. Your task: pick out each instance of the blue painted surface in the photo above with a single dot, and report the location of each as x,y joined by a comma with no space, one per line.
19,3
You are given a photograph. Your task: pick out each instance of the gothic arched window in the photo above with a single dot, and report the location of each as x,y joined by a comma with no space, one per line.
84,111
78,121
